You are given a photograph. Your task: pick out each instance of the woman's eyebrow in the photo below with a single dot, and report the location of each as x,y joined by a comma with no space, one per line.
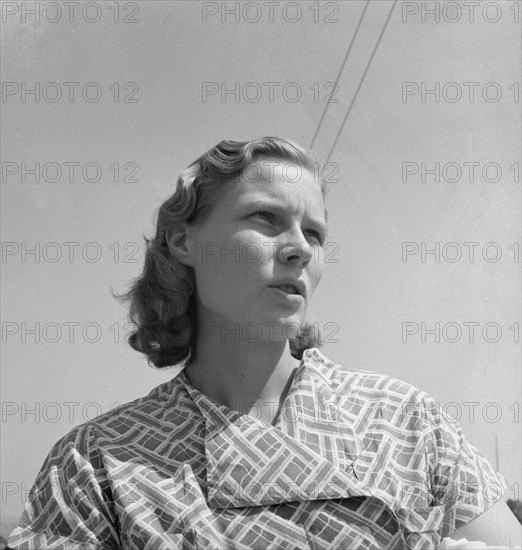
278,207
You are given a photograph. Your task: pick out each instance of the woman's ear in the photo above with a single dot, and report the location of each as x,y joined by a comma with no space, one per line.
178,241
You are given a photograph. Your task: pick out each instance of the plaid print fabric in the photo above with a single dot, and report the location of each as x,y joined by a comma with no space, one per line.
354,460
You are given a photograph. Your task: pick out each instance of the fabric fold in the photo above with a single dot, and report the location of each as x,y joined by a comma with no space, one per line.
250,463
253,464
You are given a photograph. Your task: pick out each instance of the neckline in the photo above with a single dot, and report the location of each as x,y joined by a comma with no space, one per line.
207,404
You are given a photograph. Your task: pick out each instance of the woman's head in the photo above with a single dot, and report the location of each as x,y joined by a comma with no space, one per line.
244,215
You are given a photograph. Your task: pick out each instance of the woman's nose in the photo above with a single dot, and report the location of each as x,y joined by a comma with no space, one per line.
296,248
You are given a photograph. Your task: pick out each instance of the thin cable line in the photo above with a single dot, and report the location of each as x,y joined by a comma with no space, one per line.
361,82
341,69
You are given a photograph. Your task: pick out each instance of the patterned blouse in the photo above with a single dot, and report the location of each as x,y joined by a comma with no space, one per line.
354,460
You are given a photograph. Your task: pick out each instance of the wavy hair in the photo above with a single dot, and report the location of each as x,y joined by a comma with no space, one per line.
162,304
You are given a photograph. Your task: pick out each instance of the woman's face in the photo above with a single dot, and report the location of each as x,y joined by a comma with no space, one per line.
266,227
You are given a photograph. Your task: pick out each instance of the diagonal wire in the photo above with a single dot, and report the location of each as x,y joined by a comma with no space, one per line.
341,69
362,81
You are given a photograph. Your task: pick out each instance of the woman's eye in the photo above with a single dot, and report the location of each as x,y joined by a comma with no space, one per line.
263,214
269,216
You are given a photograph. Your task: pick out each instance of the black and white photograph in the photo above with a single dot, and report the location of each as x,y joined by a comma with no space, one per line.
261,283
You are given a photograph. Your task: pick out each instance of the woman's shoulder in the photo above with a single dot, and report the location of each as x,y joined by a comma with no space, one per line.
354,383
156,403
164,405
342,373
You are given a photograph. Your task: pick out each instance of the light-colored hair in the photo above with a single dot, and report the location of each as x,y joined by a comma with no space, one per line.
162,303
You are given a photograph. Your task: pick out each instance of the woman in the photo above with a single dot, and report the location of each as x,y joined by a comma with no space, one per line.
260,441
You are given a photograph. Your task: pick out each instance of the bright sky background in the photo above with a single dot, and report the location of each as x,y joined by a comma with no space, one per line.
170,53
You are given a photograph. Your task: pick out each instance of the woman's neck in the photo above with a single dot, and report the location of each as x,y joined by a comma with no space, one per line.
252,378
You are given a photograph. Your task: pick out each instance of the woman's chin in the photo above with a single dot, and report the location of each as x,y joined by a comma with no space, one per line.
279,329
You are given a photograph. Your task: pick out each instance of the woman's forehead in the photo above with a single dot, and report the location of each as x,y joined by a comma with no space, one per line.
274,170
281,195
278,178
279,190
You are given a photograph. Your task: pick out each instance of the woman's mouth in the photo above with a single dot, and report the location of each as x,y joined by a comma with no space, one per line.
288,293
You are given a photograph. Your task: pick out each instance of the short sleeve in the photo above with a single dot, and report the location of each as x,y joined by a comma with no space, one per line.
69,505
462,479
